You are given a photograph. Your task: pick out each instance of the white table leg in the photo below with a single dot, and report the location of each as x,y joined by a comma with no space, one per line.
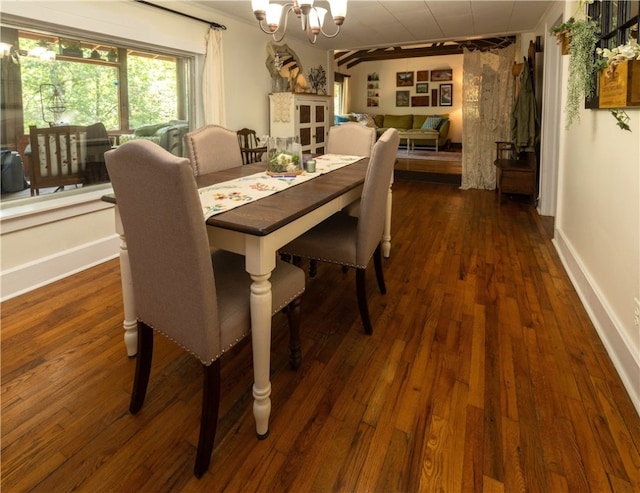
260,302
130,322
386,233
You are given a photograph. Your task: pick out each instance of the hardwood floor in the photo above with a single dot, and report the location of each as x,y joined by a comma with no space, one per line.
483,374
421,161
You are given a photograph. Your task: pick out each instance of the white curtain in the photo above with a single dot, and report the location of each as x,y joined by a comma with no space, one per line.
487,88
346,94
213,80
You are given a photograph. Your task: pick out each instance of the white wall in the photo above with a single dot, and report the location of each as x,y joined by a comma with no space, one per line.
598,226
387,70
46,239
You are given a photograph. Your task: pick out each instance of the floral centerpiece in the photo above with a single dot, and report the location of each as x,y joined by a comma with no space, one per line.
284,156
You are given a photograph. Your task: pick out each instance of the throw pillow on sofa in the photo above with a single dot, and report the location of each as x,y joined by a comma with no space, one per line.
366,120
442,121
431,123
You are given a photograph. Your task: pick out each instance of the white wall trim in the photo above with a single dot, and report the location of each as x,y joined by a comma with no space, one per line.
31,212
26,214
43,271
617,344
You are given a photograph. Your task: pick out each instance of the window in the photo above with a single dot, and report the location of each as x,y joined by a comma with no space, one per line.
618,22
339,94
54,79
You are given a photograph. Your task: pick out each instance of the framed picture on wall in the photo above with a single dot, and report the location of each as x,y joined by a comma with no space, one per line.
422,88
402,98
404,79
446,94
434,97
419,100
422,76
441,75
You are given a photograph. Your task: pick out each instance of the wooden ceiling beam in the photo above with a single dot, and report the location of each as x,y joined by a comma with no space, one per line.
436,49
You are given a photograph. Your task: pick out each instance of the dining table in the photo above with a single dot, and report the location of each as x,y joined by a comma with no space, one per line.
257,230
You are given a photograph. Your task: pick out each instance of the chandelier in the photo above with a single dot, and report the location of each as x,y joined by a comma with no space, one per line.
311,17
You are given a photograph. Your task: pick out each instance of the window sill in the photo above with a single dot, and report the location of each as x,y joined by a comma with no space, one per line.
28,213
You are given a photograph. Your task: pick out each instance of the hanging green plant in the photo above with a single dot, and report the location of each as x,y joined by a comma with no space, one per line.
622,119
562,32
582,67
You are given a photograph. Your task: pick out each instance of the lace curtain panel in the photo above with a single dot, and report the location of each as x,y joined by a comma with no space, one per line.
488,92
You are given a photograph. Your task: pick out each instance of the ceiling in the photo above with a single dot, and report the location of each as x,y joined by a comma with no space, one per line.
384,23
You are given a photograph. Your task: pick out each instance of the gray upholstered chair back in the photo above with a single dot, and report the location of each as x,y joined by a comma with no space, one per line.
173,280
352,139
373,202
212,148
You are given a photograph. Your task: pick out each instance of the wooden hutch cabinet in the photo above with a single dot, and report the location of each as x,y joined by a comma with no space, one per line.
305,115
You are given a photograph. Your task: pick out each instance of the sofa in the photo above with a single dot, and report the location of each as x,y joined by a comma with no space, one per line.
169,135
439,122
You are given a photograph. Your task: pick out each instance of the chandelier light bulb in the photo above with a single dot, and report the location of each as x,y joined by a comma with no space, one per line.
259,8
316,18
338,10
274,12
311,18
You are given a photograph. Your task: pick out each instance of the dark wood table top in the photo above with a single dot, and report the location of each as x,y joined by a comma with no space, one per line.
264,216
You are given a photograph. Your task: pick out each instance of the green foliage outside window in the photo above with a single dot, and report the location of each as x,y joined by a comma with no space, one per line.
91,92
153,92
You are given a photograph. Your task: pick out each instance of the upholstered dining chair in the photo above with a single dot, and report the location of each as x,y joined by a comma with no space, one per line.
212,148
351,138
249,146
196,298
353,241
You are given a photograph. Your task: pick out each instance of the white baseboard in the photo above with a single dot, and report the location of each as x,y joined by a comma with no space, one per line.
27,277
618,346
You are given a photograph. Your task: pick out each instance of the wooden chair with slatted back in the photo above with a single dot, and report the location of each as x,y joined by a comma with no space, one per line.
249,146
58,157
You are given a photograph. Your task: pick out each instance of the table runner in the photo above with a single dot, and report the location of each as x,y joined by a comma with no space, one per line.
230,194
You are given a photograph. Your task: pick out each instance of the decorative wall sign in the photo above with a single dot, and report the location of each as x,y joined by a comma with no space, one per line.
419,100
441,75
404,79
402,98
422,76
434,97
446,94
422,88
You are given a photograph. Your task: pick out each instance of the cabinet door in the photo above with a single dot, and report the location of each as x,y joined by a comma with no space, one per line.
321,128
305,126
